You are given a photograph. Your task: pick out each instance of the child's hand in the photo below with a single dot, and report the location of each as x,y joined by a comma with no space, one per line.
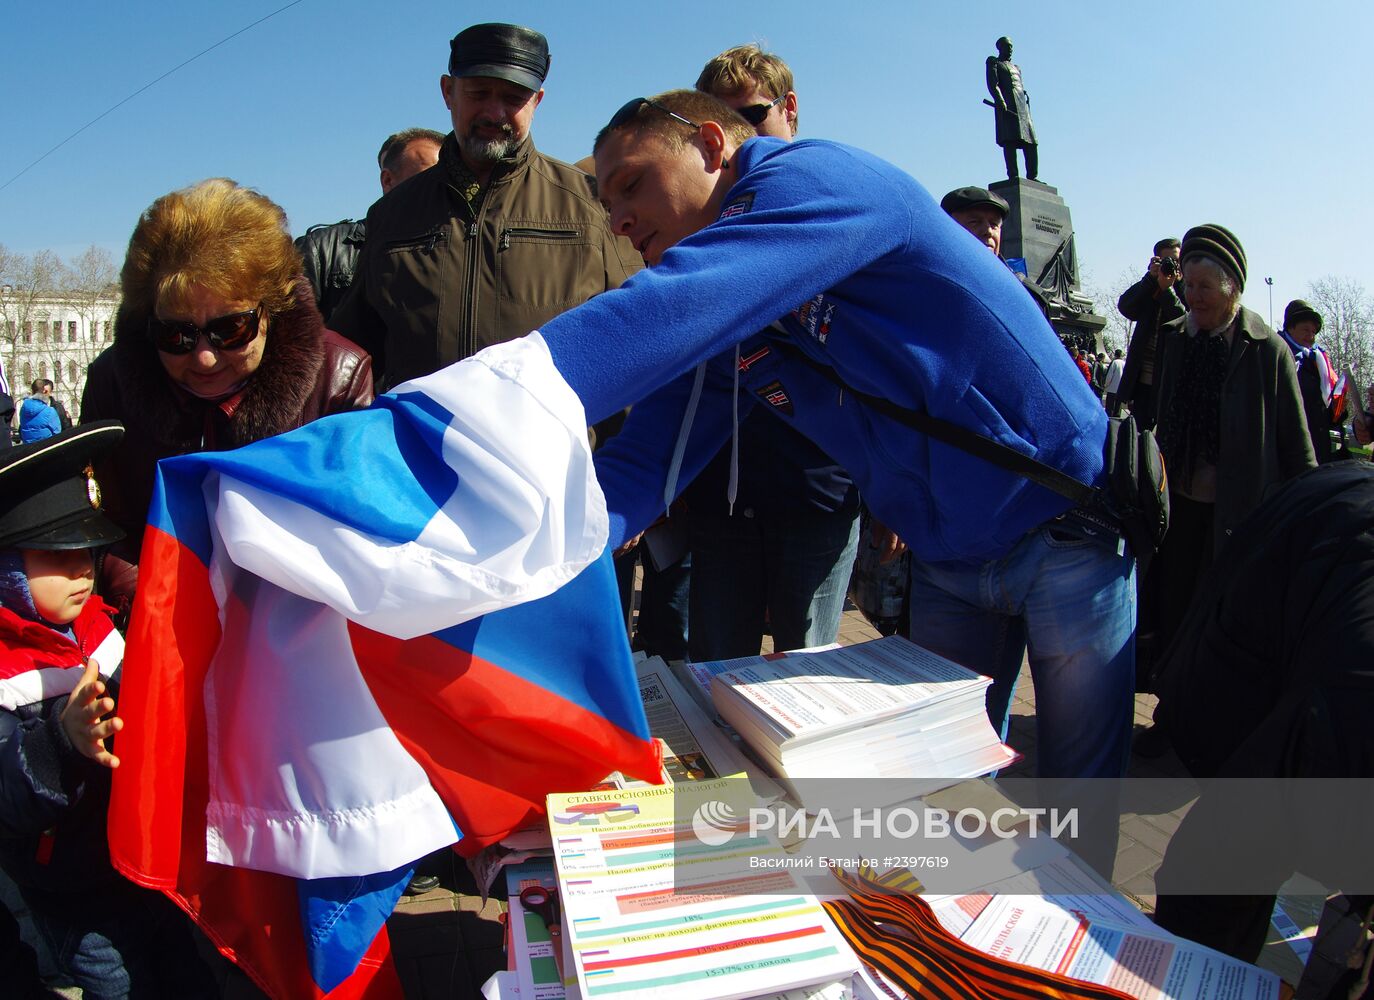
82,717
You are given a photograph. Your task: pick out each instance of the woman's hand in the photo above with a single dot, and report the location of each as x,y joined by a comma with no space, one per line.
84,721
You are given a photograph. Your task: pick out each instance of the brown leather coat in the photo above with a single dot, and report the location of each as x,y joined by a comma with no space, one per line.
306,372
437,282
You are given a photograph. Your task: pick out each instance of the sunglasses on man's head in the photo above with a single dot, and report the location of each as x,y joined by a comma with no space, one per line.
630,108
225,333
754,114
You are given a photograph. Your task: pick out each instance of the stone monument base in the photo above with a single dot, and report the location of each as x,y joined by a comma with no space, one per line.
1039,229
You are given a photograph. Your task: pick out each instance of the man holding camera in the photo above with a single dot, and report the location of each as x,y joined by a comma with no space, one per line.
1149,303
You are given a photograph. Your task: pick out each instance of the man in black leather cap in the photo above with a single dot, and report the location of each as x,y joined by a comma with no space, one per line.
494,241
982,213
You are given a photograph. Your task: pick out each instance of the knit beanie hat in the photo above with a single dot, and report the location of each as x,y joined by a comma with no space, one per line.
1219,242
1297,311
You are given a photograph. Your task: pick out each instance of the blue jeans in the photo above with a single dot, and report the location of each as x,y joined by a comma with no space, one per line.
1070,598
122,942
662,626
794,568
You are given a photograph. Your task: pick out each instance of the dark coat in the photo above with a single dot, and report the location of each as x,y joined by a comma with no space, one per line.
6,420
53,800
437,282
1272,673
330,255
306,372
1147,307
1264,439
1012,110
1316,409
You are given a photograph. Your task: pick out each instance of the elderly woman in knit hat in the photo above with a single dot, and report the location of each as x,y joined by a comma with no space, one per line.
1231,421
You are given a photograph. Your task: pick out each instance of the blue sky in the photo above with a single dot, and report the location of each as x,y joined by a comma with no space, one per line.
1151,116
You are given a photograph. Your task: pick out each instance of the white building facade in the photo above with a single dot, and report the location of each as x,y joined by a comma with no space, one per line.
55,337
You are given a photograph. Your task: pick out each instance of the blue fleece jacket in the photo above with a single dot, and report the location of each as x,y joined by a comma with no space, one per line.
850,260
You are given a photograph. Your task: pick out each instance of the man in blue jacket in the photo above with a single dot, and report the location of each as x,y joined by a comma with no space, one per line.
768,258
38,418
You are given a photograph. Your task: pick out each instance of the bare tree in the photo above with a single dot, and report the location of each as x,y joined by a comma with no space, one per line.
1347,324
24,281
89,283
1117,333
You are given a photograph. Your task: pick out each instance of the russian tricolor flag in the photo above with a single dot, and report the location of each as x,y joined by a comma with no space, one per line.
382,634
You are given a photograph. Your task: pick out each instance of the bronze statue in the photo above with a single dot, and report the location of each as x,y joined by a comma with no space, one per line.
1015,130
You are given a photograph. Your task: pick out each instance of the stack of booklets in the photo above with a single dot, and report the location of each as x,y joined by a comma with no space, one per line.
881,709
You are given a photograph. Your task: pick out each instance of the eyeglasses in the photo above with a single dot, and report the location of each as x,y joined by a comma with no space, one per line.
630,108
754,114
225,333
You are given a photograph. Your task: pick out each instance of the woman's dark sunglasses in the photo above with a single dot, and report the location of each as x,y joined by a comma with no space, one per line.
629,109
225,333
754,114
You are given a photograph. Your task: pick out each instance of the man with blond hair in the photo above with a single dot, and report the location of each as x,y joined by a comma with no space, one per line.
779,551
757,85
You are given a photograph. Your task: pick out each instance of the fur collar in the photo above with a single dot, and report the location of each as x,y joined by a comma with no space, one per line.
273,399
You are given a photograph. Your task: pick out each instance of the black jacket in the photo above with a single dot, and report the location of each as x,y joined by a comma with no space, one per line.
1148,308
6,420
1315,408
53,800
330,254
1272,672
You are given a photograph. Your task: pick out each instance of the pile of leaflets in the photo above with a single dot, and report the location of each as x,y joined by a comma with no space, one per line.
883,709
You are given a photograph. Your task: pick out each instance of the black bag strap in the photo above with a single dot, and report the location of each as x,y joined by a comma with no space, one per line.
960,437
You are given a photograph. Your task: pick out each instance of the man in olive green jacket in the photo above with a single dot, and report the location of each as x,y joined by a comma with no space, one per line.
493,241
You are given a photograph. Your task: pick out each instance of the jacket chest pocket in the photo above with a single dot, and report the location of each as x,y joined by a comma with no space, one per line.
542,269
411,269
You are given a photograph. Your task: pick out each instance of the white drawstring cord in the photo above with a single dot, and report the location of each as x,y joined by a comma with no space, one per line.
732,490
670,487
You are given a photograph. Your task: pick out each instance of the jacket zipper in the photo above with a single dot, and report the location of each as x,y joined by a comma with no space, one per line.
467,346
555,235
425,243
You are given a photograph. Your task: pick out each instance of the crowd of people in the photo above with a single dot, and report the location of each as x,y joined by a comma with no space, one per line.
792,309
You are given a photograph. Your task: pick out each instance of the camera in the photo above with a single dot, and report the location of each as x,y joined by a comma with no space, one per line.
1168,267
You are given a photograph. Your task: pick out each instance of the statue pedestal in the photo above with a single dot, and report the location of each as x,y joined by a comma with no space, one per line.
1039,228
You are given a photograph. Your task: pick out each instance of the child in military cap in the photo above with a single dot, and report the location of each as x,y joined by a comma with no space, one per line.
58,651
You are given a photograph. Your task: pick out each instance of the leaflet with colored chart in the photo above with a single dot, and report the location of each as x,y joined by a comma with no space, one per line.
531,945
665,894
1149,965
